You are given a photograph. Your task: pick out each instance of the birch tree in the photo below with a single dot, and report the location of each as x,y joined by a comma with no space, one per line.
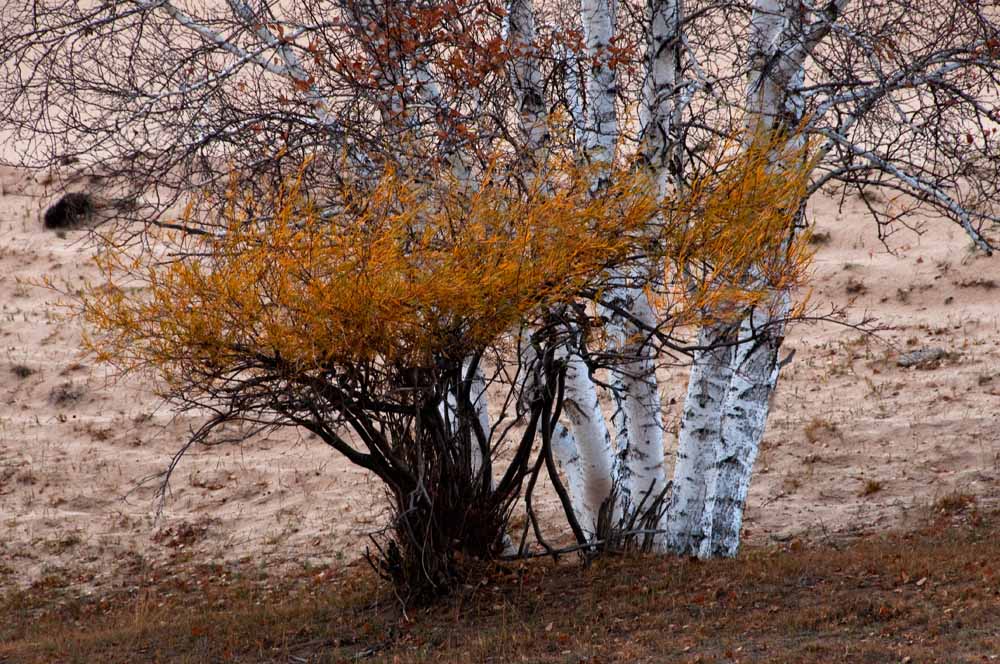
163,98
881,123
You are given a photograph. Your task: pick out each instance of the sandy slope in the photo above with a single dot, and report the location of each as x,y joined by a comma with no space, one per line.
74,448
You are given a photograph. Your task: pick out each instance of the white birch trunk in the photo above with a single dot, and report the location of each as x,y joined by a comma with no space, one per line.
585,453
744,417
574,97
638,417
658,114
744,407
638,420
590,467
567,456
585,450
480,403
700,429
701,449
429,92
602,126
781,40
526,77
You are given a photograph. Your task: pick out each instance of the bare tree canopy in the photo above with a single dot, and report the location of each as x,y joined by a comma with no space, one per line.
903,92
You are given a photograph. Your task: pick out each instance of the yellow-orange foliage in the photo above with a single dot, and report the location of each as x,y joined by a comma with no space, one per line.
737,248
412,272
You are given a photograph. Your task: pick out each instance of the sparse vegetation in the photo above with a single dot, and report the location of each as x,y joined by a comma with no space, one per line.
63,543
22,371
66,394
928,595
956,501
818,427
871,487
820,238
855,286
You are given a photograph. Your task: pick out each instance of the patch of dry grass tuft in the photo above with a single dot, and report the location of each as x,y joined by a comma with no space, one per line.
871,487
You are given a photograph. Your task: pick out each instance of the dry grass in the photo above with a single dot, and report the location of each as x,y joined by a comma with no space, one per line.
66,394
988,284
22,371
818,427
927,595
819,238
871,487
955,501
855,286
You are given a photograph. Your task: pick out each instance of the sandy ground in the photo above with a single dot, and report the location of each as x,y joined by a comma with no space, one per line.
855,443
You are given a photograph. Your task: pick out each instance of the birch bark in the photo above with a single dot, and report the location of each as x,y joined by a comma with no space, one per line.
782,38
526,77
699,433
590,467
744,416
636,416
584,449
642,473
592,457
602,126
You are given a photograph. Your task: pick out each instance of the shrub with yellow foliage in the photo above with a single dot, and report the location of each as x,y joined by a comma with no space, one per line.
365,318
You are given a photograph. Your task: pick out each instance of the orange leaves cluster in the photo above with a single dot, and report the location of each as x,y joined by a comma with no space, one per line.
407,273
412,273
738,246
